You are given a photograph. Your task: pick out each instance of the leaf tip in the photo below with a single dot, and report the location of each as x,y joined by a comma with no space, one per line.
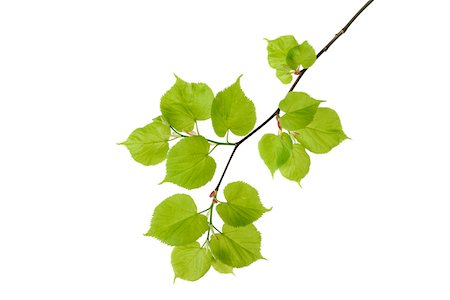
178,78
238,80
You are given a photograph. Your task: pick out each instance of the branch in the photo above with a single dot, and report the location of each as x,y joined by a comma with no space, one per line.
299,76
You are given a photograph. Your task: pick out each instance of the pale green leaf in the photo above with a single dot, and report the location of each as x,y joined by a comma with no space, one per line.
299,110
284,74
323,133
176,221
297,166
232,110
221,267
185,103
302,54
243,205
149,145
237,246
190,262
275,150
188,163
278,49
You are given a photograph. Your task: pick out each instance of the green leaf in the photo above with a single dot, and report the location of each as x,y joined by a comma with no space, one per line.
278,50
299,110
297,166
243,205
323,133
284,74
221,267
188,163
176,221
232,110
237,246
275,150
185,103
149,145
190,262
303,54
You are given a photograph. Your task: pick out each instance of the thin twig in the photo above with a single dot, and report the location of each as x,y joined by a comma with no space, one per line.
211,141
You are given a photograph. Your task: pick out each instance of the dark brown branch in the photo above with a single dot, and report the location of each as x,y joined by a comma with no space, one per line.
299,76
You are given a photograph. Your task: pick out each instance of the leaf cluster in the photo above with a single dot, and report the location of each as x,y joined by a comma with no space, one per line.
174,137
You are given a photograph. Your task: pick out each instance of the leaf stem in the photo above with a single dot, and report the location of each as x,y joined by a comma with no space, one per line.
211,141
210,220
196,127
212,149
299,76
216,229
205,210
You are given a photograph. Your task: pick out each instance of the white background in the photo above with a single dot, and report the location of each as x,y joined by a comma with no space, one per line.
76,77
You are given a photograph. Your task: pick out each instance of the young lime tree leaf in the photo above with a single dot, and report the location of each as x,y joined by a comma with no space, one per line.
297,166
237,246
299,110
232,110
323,133
188,163
221,267
176,221
275,150
302,54
243,205
149,145
278,50
184,103
284,74
190,262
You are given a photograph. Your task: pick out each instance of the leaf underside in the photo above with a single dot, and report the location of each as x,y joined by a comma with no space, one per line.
176,221
149,145
323,133
275,150
232,110
237,246
184,103
188,163
190,262
243,205
299,109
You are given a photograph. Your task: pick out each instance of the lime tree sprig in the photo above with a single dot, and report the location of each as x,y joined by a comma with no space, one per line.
303,127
